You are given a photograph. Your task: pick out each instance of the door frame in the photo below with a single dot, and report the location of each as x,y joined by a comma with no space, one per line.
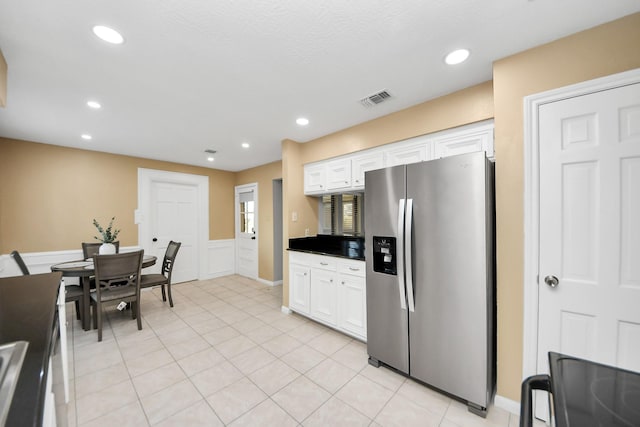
146,177
238,189
532,104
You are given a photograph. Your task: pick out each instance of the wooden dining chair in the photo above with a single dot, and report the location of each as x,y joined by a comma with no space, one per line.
93,248
117,279
164,278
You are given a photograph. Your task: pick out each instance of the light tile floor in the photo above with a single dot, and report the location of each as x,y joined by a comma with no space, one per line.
225,354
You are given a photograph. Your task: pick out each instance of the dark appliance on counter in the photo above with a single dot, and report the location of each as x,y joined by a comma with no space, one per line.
429,245
585,394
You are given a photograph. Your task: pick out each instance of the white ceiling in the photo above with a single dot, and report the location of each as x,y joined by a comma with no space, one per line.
195,74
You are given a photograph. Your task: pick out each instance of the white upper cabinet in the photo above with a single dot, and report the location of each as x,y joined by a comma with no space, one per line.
362,164
467,142
314,178
403,155
346,173
339,174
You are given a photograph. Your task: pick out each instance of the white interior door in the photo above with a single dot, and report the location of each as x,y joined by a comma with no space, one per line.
174,206
590,229
246,213
174,217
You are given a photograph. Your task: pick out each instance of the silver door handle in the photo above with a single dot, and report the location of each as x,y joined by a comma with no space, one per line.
399,251
551,281
324,263
354,269
407,250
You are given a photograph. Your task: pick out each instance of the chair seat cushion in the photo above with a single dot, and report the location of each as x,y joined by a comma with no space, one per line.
72,292
148,280
115,293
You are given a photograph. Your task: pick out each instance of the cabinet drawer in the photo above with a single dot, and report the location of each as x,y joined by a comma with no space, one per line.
355,268
323,262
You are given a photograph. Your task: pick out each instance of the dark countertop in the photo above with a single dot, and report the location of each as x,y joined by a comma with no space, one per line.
323,244
27,313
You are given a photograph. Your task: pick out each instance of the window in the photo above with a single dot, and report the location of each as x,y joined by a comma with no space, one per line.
247,213
341,214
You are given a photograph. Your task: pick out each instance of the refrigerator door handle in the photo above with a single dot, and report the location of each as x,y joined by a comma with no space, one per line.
408,254
399,254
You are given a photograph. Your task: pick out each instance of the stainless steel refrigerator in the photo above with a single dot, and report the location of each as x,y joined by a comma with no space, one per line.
429,250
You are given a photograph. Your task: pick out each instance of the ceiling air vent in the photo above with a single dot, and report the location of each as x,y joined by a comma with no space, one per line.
375,99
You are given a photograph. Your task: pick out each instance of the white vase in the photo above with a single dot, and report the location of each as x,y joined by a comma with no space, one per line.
107,249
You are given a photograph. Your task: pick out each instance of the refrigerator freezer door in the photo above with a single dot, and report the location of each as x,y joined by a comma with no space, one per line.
449,328
387,322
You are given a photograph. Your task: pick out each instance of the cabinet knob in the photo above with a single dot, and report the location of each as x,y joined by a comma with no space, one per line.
343,282
346,182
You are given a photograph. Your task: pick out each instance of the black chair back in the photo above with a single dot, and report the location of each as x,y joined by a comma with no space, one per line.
18,259
169,259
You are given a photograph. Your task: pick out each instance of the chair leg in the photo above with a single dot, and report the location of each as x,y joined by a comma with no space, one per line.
169,291
137,311
94,316
98,308
78,309
164,296
133,309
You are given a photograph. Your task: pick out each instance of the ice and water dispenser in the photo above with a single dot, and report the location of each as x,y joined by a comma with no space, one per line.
384,255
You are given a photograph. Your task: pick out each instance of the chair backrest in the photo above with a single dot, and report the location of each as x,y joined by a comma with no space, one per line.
91,249
169,259
118,270
18,259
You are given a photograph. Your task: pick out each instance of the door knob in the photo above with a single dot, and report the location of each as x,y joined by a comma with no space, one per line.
155,239
551,281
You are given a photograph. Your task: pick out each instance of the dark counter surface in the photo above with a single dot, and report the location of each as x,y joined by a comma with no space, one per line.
323,244
27,313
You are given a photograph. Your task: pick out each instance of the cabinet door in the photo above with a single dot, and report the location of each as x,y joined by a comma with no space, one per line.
407,154
339,174
324,296
465,141
314,178
360,165
352,312
299,287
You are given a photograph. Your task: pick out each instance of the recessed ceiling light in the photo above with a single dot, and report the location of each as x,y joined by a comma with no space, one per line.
86,136
245,145
302,121
210,158
93,104
108,34
457,56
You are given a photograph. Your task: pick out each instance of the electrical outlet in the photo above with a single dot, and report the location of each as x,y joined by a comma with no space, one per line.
306,232
294,216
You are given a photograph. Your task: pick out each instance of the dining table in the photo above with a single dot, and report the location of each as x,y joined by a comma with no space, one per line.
83,270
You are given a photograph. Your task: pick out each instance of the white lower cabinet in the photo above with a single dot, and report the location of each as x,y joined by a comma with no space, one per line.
329,290
324,297
299,287
352,298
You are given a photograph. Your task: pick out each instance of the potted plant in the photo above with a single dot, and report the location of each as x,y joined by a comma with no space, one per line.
107,237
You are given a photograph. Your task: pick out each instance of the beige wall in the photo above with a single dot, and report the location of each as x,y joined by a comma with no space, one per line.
604,50
49,195
264,176
3,80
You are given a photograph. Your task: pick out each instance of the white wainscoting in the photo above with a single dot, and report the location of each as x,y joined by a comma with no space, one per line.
41,262
221,258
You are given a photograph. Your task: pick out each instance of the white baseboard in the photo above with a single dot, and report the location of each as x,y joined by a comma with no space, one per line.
507,404
269,283
285,310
